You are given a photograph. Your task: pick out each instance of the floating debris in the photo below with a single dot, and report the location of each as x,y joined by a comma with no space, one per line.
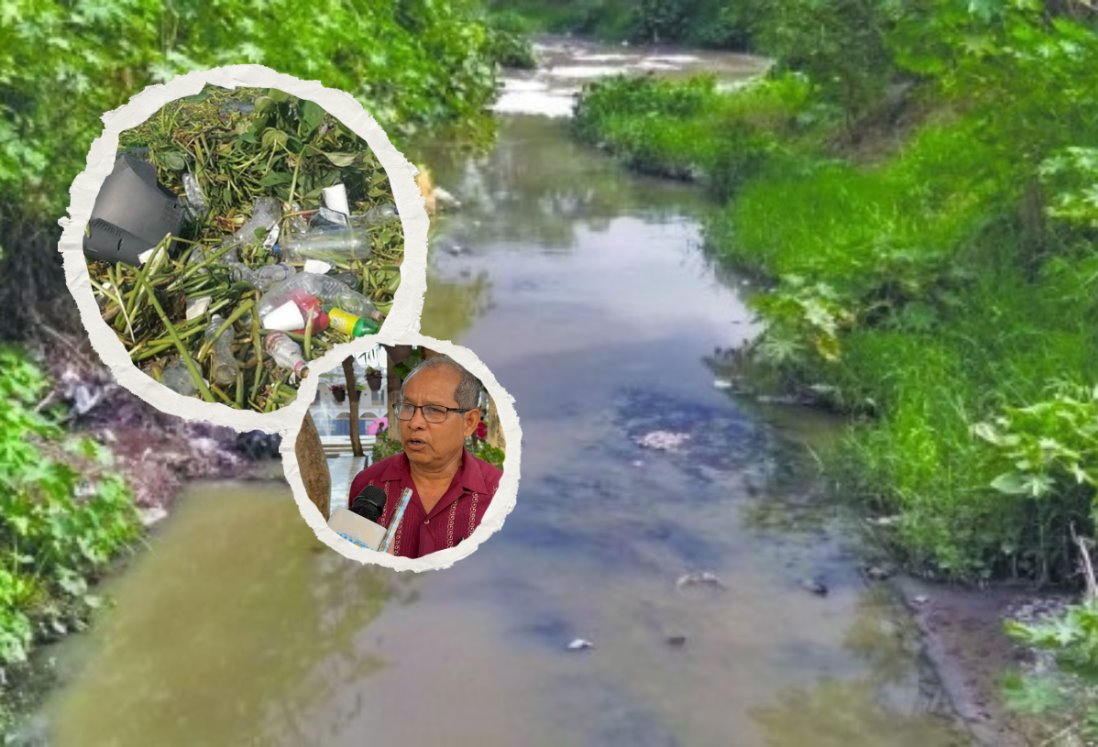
678,641
700,578
877,572
815,585
663,440
579,644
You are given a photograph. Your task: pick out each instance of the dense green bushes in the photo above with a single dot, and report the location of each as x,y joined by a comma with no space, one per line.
946,284
691,130
63,516
927,221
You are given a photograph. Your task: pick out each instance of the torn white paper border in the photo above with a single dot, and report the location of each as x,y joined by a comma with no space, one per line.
407,303
502,503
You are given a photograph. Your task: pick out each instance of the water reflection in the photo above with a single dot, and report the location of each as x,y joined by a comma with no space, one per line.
539,188
235,626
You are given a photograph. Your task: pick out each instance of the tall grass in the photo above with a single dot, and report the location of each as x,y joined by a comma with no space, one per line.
922,293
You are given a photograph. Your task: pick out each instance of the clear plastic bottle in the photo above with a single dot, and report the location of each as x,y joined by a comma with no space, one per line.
266,214
332,242
329,245
260,278
223,365
285,352
329,291
177,378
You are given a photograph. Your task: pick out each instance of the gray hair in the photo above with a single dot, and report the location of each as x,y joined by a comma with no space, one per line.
467,394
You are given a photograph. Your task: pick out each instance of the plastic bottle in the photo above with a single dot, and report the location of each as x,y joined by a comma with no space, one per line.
260,278
332,242
377,216
196,198
285,352
330,245
177,378
223,365
329,291
350,324
266,213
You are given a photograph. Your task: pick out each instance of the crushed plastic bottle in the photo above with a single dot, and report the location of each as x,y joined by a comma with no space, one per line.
285,353
223,365
377,216
266,214
261,278
351,279
329,291
196,198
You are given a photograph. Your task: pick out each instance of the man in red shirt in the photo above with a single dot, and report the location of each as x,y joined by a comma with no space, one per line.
451,489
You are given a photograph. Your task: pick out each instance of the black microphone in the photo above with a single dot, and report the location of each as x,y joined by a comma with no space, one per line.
370,503
359,524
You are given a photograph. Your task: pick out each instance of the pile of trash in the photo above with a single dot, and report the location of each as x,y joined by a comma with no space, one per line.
241,235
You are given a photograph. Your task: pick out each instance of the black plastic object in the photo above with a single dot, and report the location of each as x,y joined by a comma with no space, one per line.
132,213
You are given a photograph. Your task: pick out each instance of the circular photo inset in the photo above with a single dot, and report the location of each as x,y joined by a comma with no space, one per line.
408,453
240,234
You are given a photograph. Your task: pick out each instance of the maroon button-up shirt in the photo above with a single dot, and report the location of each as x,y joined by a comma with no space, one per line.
452,519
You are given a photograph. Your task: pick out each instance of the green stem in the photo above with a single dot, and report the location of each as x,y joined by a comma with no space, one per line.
184,356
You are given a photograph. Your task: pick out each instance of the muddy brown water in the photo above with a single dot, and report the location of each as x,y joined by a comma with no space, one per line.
586,290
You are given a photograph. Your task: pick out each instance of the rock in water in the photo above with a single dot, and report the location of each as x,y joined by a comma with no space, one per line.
579,644
815,585
677,641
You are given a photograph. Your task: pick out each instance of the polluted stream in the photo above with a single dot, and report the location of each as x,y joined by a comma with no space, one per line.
677,528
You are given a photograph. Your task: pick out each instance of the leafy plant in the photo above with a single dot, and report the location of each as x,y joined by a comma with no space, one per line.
1049,445
1073,639
60,524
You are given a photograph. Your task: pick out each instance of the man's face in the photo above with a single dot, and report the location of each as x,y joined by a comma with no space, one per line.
433,445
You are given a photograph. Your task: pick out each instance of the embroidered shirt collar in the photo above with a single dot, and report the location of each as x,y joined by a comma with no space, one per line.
470,475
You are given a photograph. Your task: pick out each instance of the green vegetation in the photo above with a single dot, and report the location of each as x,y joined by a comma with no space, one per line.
927,289
1070,692
915,183
690,130
64,515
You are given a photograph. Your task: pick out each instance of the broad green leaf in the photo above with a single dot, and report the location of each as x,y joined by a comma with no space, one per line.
1011,483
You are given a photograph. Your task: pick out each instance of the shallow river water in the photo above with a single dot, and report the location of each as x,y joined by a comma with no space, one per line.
586,291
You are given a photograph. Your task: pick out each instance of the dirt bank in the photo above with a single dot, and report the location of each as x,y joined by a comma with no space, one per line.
963,636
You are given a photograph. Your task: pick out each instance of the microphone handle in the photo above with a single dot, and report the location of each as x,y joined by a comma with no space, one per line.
394,522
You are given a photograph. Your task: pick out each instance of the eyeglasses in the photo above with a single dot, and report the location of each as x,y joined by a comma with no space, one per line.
431,413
